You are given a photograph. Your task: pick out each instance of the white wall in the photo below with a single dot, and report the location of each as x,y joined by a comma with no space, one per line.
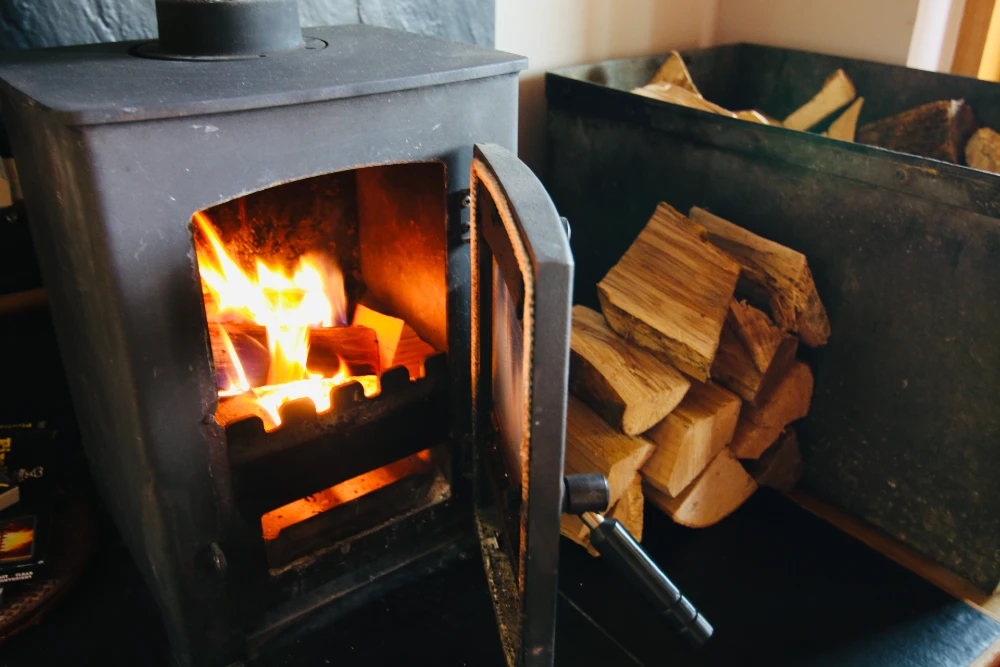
555,33
869,29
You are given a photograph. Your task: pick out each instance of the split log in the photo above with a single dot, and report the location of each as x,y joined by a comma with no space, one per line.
628,510
983,150
939,130
735,370
398,343
628,386
837,91
719,490
249,342
755,116
690,437
670,292
759,427
675,72
594,446
756,331
780,466
782,272
358,346
846,125
667,92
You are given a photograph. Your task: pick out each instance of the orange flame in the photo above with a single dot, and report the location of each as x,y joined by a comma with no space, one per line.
16,539
287,307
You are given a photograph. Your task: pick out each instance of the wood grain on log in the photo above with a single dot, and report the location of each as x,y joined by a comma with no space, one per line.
782,272
628,386
837,91
780,466
690,437
670,292
983,150
734,369
594,446
717,492
939,130
759,427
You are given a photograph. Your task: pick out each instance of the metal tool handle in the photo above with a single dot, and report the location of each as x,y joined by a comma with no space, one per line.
610,538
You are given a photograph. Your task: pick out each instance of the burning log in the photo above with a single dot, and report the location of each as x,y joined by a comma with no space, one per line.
670,292
593,446
782,272
398,343
249,343
837,91
717,492
358,347
759,427
937,130
632,389
690,437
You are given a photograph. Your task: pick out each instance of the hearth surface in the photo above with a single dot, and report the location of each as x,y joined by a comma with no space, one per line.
781,587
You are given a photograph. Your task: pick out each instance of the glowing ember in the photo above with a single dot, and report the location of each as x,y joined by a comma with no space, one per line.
288,307
308,507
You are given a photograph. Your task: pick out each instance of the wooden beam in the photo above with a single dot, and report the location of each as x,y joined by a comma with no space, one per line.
690,437
720,489
628,386
780,271
670,292
972,37
594,446
759,427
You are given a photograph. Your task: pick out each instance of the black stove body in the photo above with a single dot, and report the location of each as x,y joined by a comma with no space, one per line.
118,145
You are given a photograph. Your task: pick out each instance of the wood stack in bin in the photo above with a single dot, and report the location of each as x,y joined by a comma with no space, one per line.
685,385
945,130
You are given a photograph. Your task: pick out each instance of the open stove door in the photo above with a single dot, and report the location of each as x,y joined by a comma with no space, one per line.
522,277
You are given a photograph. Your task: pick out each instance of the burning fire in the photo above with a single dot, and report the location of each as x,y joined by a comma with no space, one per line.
288,307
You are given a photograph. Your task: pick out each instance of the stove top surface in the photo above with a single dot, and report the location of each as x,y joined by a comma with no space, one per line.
106,83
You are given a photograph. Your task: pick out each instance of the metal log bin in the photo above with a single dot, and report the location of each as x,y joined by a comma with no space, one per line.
905,425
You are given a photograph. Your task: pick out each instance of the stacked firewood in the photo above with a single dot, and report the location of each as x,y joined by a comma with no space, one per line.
943,130
684,386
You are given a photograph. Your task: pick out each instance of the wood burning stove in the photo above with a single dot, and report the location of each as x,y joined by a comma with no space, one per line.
384,153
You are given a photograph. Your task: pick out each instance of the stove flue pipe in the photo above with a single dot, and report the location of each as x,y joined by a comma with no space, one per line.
227,28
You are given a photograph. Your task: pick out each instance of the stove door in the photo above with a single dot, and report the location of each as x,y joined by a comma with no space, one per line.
522,277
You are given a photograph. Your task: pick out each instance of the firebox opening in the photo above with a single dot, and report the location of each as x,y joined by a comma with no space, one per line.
325,300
